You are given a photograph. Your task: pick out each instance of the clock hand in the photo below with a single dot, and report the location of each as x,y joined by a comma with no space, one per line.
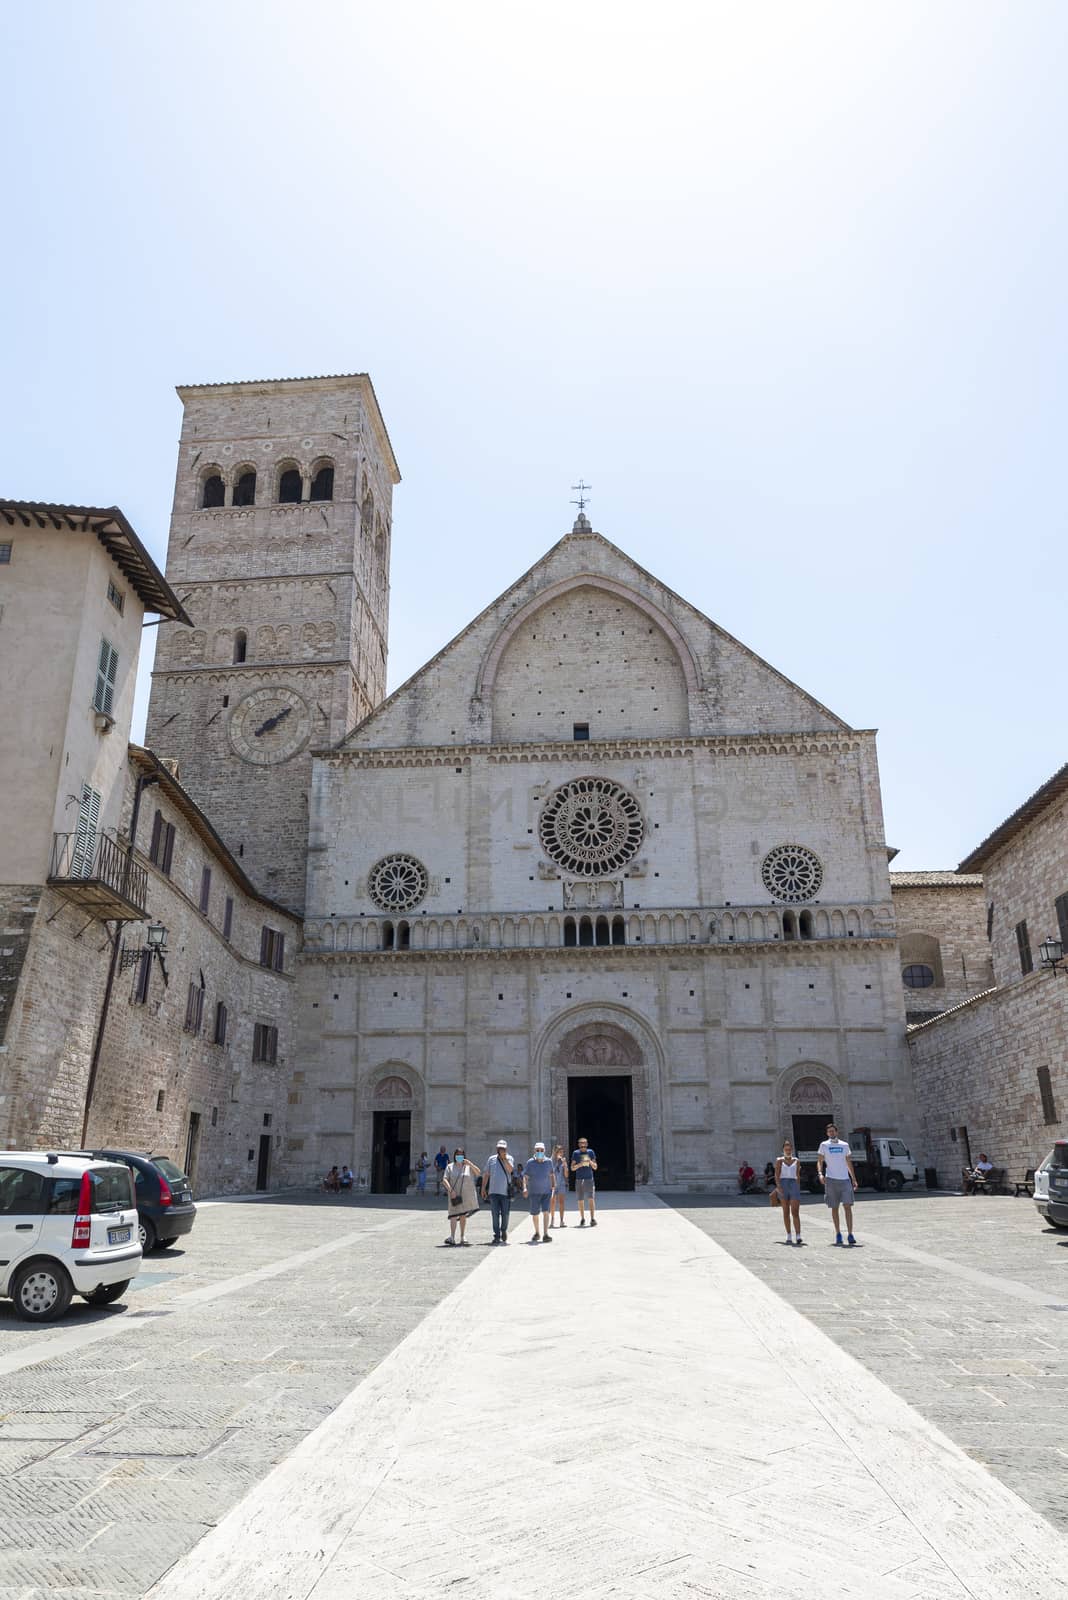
272,722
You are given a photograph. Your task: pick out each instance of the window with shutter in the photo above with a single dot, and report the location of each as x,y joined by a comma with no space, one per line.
1023,944
272,949
205,890
85,835
265,1042
220,1023
106,674
228,918
144,974
194,1007
1045,1089
1061,906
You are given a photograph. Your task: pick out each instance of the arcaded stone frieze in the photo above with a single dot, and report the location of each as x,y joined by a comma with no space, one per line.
729,745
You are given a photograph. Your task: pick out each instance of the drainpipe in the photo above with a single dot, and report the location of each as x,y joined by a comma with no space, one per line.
140,786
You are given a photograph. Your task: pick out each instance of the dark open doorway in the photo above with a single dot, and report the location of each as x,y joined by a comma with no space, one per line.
809,1132
601,1110
391,1154
263,1165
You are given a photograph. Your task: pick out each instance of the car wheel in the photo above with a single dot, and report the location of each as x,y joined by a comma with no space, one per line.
895,1182
146,1232
1063,1226
107,1292
41,1290
165,1244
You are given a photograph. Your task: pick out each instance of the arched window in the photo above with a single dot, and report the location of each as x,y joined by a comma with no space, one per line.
212,491
387,936
604,935
917,976
619,932
570,934
922,950
240,646
245,488
789,925
322,485
290,487
404,936
585,931
805,924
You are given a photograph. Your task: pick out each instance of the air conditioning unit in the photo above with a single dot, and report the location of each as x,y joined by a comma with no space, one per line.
104,723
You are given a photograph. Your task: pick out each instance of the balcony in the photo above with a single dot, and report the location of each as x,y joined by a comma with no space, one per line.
99,875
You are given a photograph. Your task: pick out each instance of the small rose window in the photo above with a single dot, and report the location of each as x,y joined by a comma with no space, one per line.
397,883
792,874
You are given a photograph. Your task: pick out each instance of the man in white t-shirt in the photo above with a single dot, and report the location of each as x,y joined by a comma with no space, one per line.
834,1166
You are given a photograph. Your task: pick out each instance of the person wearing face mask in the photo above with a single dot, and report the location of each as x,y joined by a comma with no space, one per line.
539,1186
460,1175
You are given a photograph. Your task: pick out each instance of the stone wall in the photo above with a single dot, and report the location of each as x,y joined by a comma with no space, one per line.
1023,879
941,923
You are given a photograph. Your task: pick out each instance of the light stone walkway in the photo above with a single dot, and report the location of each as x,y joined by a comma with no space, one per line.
626,1413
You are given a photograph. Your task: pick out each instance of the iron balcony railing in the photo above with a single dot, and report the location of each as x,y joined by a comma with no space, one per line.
99,872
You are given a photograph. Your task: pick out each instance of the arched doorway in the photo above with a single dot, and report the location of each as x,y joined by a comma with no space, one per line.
809,1099
391,1136
599,1092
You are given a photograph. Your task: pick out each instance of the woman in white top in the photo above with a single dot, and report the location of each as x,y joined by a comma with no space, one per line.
788,1188
460,1175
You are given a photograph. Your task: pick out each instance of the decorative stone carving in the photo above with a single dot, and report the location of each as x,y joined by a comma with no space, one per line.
600,1050
811,1094
397,883
547,871
596,895
792,874
393,1089
591,827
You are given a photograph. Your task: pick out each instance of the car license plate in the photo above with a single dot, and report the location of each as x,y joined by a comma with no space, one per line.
185,1197
118,1236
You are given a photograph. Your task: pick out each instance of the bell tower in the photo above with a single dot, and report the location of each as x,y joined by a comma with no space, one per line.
279,546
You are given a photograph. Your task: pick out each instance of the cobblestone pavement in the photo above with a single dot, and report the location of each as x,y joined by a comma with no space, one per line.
958,1303
125,1433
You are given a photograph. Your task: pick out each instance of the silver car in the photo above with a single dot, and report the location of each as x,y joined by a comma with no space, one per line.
1041,1195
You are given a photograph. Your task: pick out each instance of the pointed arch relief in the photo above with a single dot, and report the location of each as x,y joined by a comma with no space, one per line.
588,658
611,1041
811,1089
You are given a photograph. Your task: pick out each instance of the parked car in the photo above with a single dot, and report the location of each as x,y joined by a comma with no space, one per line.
68,1225
165,1208
1057,1194
1041,1194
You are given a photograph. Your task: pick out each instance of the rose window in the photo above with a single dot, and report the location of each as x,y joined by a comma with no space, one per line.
591,826
792,873
397,883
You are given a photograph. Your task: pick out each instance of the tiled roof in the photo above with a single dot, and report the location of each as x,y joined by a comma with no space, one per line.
118,539
984,994
935,880
1051,791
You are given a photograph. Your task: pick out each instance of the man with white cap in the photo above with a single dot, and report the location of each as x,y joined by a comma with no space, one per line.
497,1178
539,1186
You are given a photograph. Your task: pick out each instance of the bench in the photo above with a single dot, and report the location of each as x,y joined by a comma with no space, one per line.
1025,1185
995,1182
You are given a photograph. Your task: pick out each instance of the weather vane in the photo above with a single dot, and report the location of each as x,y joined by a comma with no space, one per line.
583,492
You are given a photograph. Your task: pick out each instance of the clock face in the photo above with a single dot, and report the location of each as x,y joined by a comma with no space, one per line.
270,726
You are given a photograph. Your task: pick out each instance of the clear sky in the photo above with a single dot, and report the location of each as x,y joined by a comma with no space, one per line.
784,282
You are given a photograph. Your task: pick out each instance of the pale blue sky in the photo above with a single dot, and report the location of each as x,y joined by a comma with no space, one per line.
785,282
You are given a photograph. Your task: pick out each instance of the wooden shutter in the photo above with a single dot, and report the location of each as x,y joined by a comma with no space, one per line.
228,918
157,833
85,836
265,945
1061,905
106,673
205,889
1023,944
168,848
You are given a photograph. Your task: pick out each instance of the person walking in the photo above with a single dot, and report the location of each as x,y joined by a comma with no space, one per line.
538,1187
497,1180
788,1188
422,1167
834,1167
584,1166
459,1181
441,1161
561,1179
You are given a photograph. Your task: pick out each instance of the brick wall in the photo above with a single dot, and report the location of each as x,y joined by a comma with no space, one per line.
949,909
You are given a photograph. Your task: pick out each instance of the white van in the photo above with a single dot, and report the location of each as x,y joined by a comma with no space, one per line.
68,1225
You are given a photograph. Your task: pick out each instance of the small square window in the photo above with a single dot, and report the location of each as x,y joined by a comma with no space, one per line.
117,598
580,730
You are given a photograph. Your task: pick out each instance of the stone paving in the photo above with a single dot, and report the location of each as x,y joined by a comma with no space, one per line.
958,1303
127,1435
133,1429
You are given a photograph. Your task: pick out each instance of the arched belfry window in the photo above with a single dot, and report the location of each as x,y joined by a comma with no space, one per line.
322,485
212,491
290,487
240,646
245,488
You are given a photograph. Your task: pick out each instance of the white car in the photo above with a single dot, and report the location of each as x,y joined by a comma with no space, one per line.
68,1225
1041,1195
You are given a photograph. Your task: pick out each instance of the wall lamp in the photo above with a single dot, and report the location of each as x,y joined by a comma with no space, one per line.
155,945
1051,955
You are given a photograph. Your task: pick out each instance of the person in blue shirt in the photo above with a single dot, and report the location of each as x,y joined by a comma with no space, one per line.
584,1166
497,1176
539,1186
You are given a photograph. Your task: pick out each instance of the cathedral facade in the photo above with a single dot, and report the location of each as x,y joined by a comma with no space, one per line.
595,869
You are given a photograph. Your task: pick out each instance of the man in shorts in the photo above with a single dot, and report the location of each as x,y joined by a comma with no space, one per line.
584,1165
539,1186
834,1167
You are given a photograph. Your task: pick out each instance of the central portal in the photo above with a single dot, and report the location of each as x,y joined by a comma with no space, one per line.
601,1110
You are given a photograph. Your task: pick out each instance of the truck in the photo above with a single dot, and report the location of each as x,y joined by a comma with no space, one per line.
880,1161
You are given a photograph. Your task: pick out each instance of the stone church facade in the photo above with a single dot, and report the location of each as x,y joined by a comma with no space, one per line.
599,869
